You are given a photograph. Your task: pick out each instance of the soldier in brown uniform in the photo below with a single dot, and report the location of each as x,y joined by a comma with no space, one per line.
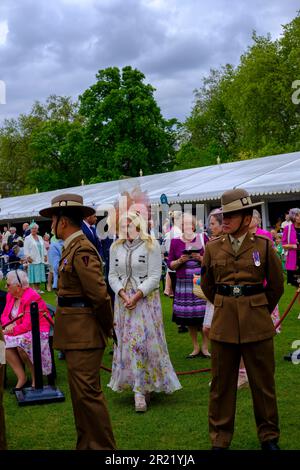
2,420
83,321
234,271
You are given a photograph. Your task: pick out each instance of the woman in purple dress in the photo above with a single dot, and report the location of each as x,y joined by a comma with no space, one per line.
185,257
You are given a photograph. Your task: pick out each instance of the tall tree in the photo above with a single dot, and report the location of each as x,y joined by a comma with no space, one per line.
39,150
124,128
15,155
55,144
210,131
247,111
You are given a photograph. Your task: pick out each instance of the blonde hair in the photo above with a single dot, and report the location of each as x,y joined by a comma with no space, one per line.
141,225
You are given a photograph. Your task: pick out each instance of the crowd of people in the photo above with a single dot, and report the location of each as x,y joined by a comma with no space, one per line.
110,289
28,252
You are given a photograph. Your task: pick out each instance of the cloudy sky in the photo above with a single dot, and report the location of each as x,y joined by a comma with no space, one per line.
57,46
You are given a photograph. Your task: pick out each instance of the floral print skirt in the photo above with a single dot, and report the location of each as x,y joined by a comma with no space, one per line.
141,361
24,341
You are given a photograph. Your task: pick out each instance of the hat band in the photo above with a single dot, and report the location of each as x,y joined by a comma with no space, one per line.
66,204
237,205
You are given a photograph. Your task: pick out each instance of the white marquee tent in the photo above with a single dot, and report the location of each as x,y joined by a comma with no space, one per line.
268,178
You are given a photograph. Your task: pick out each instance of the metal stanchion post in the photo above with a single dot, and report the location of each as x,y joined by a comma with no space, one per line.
36,345
39,394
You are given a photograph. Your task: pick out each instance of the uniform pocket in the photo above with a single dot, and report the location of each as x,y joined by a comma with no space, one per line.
259,300
219,266
76,326
218,262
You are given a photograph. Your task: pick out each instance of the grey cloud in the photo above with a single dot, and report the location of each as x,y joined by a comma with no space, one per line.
58,46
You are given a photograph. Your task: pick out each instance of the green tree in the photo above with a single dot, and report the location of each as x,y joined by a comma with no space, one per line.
41,149
124,130
15,155
247,110
210,131
55,143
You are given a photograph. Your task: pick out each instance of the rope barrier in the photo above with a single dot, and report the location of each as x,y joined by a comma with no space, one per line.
12,321
197,371
190,372
288,309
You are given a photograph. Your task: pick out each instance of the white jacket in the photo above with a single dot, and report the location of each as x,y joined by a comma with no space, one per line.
139,265
31,249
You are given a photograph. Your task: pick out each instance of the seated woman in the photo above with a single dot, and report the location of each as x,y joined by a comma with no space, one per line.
17,335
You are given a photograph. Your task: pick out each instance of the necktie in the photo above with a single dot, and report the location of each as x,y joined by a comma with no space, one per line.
235,245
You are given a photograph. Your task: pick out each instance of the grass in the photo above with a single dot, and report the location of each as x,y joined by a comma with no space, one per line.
177,421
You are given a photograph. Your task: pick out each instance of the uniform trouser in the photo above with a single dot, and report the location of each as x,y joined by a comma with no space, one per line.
93,425
260,366
2,419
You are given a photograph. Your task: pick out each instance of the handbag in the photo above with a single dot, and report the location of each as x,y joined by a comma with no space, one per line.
197,289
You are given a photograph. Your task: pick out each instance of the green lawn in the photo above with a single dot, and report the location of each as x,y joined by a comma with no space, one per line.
178,421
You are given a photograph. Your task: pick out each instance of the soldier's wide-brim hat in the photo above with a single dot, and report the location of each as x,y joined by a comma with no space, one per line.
236,200
67,203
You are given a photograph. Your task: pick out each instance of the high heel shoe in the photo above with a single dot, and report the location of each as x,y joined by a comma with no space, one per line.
18,389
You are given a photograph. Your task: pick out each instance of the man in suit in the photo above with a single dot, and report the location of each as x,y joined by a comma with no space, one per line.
234,271
89,229
26,229
88,226
83,321
13,237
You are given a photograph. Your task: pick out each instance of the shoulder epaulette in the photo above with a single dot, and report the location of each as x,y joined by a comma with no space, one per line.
264,237
215,239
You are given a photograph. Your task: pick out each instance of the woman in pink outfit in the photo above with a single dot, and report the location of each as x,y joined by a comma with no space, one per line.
17,334
255,228
291,243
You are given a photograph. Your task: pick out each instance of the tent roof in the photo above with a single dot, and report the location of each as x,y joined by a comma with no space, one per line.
277,174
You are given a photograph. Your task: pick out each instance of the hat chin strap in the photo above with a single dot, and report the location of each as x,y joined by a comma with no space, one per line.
56,225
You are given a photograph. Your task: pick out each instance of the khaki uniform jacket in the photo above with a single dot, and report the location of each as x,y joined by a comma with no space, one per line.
80,275
246,318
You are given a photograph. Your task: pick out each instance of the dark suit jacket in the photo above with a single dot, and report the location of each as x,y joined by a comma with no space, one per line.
11,239
93,239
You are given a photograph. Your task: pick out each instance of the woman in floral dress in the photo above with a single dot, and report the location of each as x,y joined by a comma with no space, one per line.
141,361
